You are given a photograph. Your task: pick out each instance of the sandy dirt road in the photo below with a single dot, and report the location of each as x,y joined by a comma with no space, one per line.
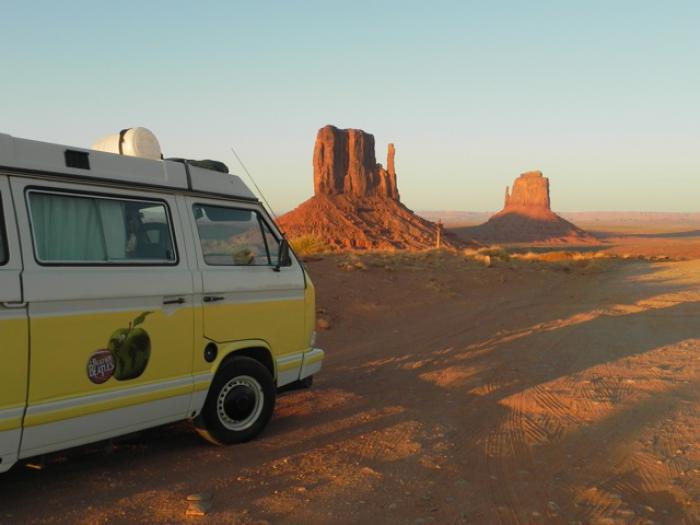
453,394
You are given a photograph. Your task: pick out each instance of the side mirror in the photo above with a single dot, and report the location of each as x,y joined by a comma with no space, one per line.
283,256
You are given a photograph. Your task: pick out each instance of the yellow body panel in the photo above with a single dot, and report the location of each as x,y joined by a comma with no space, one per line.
63,344
14,370
279,323
309,309
226,349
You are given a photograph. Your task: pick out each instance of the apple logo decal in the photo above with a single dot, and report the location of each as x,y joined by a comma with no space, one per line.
126,355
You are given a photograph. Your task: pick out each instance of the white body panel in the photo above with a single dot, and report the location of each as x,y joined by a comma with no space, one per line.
44,157
9,448
10,287
32,155
208,181
288,368
95,427
312,363
13,330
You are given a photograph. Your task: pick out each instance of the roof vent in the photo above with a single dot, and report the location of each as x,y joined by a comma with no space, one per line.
77,159
134,142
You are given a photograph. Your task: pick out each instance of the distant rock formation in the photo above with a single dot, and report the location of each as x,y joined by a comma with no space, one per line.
530,192
344,163
527,217
356,200
390,163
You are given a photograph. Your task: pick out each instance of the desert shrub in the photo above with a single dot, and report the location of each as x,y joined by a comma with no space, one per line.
394,259
593,266
560,256
495,252
351,262
567,261
309,244
550,257
487,255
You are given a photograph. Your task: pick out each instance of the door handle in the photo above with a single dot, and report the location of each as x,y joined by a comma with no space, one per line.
212,298
14,304
177,300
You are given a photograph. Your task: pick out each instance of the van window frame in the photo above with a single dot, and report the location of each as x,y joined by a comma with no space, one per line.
261,220
5,256
100,195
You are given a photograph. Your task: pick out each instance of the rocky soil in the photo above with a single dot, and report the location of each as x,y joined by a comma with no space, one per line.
523,393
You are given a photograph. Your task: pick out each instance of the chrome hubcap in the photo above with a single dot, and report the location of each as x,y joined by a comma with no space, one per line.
240,403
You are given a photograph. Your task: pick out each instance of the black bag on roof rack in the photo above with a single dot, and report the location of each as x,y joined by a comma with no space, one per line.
207,164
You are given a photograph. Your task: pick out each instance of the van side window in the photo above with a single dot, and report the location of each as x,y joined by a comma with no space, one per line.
3,239
81,229
233,236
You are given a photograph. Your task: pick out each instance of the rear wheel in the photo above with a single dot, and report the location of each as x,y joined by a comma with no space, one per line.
240,402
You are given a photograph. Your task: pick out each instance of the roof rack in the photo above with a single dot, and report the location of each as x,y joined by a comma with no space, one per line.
44,158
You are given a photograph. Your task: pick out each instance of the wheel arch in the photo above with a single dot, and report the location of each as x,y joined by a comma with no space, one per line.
255,349
259,353
207,422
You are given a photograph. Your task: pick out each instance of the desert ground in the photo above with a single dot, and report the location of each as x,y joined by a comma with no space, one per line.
675,236
456,390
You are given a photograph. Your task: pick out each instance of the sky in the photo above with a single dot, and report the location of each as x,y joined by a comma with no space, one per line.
602,96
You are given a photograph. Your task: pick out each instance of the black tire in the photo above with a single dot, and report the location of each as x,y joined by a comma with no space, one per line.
239,404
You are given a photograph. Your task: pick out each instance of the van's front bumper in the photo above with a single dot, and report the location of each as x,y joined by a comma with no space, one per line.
312,362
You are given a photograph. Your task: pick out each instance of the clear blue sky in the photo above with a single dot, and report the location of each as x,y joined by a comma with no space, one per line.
602,96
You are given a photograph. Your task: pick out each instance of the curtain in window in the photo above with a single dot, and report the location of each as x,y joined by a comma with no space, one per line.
67,228
112,217
71,229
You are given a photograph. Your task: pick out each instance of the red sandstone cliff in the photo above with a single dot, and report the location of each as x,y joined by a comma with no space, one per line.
356,200
527,217
530,193
344,163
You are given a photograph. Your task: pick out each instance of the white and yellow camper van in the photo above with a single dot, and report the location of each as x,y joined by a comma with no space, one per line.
137,291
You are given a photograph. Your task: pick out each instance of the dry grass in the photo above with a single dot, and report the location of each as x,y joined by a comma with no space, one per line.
586,262
567,261
488,256
392,260
307,245
491,256
561,256
581,262
496,252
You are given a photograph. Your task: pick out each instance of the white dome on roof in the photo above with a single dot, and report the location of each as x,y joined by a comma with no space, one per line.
134,142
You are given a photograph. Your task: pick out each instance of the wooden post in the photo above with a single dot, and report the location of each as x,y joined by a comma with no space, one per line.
438,240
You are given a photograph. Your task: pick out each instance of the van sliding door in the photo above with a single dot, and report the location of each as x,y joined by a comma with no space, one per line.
13,334
109,294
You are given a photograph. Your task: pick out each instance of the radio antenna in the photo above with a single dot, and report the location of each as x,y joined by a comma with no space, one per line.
254,184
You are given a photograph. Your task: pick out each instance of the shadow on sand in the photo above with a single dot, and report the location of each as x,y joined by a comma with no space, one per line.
481,409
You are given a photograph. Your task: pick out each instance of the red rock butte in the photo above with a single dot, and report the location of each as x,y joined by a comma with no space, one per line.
344,163
527,217
530,194
356,201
